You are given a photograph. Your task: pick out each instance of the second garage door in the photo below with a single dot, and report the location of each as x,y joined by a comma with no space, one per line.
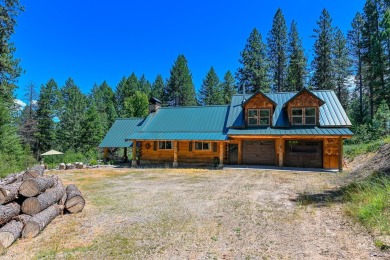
259,152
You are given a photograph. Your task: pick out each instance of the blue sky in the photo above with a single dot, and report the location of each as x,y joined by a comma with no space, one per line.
93,41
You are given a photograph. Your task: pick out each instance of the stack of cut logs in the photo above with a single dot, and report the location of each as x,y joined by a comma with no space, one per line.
29,201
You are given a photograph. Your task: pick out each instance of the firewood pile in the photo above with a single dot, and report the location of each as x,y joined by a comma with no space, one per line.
29,201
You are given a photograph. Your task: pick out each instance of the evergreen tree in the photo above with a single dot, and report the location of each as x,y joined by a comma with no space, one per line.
277,51
157,89
180,90
323,77
210,92
253,74
120,96
93,130
297,61
144,85
381,121
341,67
228,87
137,105
104,97
72,117
355,46
28,121
46,112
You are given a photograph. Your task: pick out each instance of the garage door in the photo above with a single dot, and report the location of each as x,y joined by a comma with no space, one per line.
304,154
259,152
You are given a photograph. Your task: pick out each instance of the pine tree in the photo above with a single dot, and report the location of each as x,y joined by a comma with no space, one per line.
228,87
46,113
277,51
144,85
253,74
297,61
180,90
27,121
342,66
210,92
93,130
104,97
120,97
72,116
137,105
158,87
322,65
355,46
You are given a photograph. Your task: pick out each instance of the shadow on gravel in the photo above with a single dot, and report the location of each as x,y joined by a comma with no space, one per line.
322,199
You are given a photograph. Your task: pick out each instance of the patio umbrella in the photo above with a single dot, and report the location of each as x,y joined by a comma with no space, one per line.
51,153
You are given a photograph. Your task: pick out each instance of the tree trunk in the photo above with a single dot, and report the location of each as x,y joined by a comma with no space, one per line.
24,218
7,212
9,192
32,206
34,187
39,221
75,201
10,232
34,172
16,177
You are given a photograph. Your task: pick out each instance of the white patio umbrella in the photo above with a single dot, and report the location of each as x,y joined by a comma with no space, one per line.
52,153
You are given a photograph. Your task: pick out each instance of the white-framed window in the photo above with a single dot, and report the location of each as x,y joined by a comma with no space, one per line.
202,146
304,116
259,117
165,145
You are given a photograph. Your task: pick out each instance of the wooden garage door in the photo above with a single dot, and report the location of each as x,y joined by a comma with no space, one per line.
304,154
259,152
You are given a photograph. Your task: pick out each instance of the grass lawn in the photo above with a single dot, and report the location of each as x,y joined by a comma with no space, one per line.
199,214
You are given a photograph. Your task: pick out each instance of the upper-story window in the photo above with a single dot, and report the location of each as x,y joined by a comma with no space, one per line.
304,116
259,117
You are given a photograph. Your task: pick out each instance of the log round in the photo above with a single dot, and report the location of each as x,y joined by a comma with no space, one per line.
9,192
8,211
39,221
75,201
33,205
24,218
34,172
10,232
34,187
15,177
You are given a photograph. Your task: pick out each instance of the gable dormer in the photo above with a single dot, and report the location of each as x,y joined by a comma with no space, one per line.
303,109
258,110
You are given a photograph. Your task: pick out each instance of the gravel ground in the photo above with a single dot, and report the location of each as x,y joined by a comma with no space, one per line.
202,214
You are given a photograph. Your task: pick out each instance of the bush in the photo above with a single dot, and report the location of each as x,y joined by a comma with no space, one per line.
353,150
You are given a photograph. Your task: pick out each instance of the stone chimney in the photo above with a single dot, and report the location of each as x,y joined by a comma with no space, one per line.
154,105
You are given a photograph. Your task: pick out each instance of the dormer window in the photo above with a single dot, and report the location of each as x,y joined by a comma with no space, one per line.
304,116
259,117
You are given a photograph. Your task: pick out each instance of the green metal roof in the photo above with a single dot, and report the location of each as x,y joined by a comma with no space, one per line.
115,138
332,114
291,131
184,123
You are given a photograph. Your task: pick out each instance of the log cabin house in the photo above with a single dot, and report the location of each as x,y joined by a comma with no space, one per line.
296,129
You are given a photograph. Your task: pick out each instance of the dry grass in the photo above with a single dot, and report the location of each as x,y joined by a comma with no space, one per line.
197,214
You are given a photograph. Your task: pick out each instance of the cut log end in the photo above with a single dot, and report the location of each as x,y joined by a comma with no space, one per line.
31,229
75,204
31,206
6,238
28,189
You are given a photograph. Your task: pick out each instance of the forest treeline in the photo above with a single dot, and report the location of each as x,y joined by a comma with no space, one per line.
356,65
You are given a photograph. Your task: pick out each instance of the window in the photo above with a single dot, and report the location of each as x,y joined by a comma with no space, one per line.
200,146
258,117
165,145
304,116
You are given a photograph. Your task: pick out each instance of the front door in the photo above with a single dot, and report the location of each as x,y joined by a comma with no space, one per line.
233,154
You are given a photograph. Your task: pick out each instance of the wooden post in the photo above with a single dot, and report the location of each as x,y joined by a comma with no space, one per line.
134,154
340,154
221,144
125,154
281,151
105,154
175,163
240,152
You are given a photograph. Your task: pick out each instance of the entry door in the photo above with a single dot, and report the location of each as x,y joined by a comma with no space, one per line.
233,154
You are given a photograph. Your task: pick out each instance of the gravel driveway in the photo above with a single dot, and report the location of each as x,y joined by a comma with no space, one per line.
201,214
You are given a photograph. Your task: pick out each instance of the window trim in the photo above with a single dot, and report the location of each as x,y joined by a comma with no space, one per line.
258,117
165,149
202,142
303,115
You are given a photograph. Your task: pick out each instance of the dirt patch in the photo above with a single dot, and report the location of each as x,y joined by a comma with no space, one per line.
200,214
